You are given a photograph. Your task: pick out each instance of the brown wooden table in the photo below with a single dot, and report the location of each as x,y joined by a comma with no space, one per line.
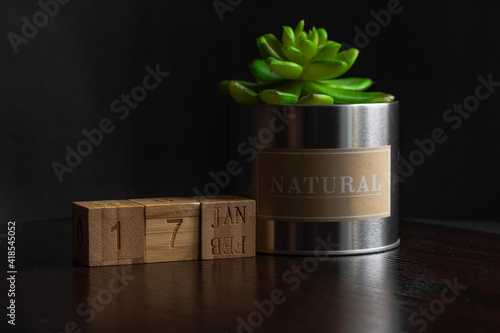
440,280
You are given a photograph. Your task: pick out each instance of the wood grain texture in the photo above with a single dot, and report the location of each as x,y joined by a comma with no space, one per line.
172,229
375,293
108,232
228,227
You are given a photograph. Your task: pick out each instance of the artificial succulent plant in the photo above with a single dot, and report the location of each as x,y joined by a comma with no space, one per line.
304,68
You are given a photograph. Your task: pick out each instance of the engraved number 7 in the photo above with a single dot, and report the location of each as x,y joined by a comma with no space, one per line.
177,226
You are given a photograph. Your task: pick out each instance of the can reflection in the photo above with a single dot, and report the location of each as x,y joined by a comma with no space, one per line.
357,292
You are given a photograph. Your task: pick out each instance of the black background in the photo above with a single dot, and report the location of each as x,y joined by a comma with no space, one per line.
65,78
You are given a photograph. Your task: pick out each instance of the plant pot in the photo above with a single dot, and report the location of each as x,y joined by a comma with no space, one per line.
321,176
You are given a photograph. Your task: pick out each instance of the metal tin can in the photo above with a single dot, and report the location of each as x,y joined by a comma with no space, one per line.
323,176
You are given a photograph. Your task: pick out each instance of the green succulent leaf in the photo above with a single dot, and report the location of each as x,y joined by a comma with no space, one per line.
294,54
313,36
288,36
348,56
224,86
328,51
274,43
257,87
300,38
309,48
316,99
290,86
264,48
324,70
350,83
263,73
299,29
285,69
276,97
242,94
342,96
270,46
322,36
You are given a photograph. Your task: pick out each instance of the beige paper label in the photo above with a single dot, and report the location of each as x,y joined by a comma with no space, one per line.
324,185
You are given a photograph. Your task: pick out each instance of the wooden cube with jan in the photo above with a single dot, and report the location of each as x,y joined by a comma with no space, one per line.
172,229
108,232
228,227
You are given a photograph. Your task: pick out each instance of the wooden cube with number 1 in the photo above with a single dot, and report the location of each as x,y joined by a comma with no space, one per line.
108,232
172,229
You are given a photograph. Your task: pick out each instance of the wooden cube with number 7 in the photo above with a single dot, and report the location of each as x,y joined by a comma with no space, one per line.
108,232
172,229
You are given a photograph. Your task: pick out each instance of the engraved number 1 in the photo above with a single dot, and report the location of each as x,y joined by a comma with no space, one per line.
177,226
118,235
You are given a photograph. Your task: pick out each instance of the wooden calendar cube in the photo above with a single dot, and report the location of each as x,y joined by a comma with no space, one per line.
108,232
172,229
228,227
